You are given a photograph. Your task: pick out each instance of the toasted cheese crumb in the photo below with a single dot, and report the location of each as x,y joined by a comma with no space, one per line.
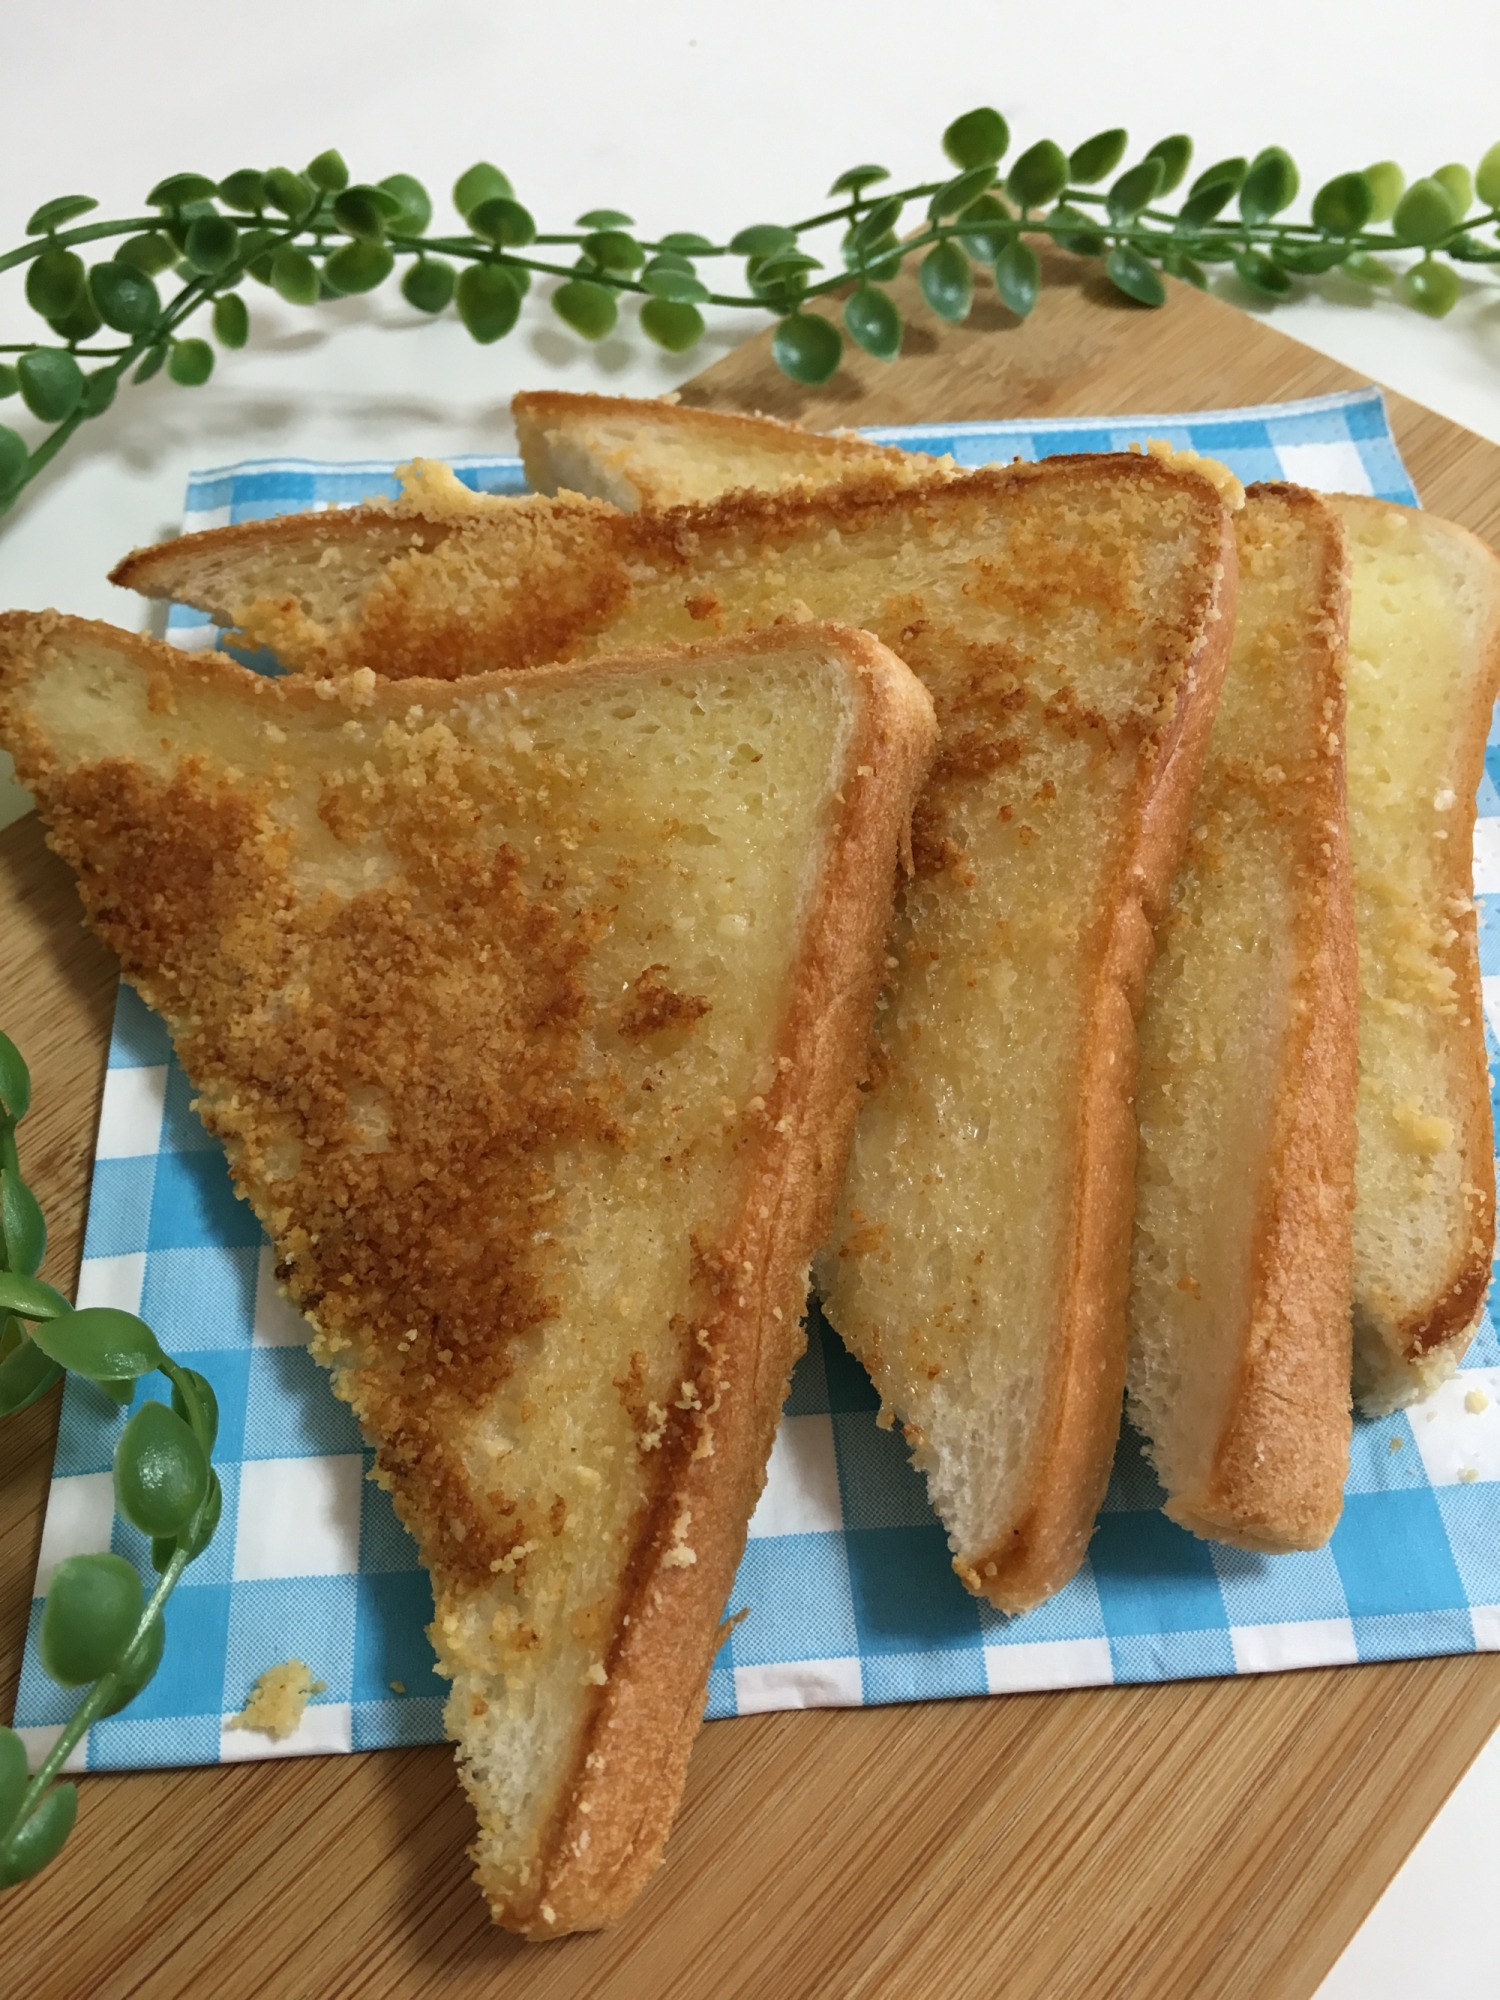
397,1687
1468,1474
1395,1444
1224,482
1475,1401
278,1701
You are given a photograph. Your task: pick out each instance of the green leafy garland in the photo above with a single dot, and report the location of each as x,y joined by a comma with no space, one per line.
312,236
99,1629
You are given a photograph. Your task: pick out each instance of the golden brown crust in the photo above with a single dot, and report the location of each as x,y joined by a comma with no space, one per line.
1443,1324
175,864
610,1831
1074,1446
811,457
1277,1479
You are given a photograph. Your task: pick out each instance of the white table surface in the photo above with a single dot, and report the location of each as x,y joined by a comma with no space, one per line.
689,117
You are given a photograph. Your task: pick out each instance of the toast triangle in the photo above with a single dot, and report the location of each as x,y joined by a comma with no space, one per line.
531,1014
1072,620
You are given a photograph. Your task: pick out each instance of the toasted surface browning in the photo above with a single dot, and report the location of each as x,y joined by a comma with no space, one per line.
637,453
1071,621
1424,668
1239,1303
531,1015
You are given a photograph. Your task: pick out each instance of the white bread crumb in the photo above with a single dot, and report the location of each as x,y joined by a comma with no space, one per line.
278,1701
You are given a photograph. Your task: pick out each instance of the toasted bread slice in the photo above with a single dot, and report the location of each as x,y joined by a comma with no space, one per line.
1072,621
636,453
531,1014
1239,1300
1423,672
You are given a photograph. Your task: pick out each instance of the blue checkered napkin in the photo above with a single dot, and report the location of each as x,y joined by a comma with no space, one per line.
847,1574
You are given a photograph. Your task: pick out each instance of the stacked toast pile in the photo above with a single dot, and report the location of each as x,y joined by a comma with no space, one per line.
1037,897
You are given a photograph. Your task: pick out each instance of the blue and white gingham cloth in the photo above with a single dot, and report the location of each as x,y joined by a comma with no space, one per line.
847,1574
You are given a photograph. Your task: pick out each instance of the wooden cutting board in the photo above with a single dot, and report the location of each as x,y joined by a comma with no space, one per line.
1193,1842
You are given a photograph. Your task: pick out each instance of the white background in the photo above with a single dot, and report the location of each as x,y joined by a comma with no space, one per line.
689,116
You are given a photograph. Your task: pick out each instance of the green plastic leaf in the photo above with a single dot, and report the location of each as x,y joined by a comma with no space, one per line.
203,1529
290,192
82,323
1075,231
26,1374
672,324
358,267
29,1849
605,218
854,179
294,276
177,190
488,300
62,208
1098,157
14,1776
947,282
955,195
983,244
786,271
612,250
503,221
1344,205
669,281
1309,260
126,298
1018,276
413,204
1266,279
1130,273
151,363
161,1471
150,252
30,1298
212,241
428,285
806,347
1039,176
189,365
1459,182
101,1341
244,191
204,1418
1136,188
358,213
92,1608
687,242
1387,184
873,322
1487,177
1425,213
138,1667
1182,266
590,309
22,1225
881,260
874,226
98,391
1270,186
1213,190
978,139
231,320
1174,153
51,383
481,183
328,171
10,381
54,283
761,239
1432,288
14,459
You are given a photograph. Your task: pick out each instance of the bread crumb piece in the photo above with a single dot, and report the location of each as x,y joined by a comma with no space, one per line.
1475,1401
397,1687
1468,1474
1396,1444
277,1703
1224,482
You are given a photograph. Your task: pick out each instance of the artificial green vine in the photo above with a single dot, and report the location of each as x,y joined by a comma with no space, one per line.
98,1625
312,236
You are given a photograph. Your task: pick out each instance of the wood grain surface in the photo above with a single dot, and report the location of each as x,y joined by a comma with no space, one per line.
1210,1839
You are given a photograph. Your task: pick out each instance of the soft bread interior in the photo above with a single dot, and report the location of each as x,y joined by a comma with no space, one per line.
490,991
1423,672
